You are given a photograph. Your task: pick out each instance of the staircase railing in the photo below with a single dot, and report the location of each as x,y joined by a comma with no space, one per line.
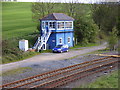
36,44
42,41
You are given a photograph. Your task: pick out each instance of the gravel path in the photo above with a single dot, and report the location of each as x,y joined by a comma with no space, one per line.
49,57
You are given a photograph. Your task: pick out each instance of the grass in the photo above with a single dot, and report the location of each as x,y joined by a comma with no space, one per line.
47,51
76,47
107,81
17,19
94,52
12,58
99,51
17,24
16,71
74,57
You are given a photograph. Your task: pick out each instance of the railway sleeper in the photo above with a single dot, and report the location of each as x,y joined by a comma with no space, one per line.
52,72
65,81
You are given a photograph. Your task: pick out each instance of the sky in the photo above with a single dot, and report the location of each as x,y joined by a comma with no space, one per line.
64,1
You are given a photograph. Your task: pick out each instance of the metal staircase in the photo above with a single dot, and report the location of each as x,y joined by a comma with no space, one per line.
42,41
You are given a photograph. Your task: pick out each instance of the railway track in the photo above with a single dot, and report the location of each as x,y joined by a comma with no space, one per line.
65,75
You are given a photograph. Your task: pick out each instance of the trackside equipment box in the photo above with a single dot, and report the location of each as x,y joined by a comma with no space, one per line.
23,45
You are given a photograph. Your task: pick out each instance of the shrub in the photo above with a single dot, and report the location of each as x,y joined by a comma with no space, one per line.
112,41
12,53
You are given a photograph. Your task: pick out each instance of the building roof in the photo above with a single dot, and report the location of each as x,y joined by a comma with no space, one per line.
57,16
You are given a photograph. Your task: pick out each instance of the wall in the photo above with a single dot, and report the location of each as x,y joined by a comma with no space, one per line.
69,34
60,33
51,43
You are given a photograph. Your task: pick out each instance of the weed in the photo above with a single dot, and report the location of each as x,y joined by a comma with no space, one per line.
16,71
107,81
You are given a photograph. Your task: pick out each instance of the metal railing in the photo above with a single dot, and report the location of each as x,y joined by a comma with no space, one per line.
42,41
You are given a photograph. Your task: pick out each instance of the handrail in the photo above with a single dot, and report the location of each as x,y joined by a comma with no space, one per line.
42,40
37,42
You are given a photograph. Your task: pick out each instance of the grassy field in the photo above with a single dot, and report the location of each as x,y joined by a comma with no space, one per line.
17,20
17,24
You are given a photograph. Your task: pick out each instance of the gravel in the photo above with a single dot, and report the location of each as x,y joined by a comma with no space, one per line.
48,66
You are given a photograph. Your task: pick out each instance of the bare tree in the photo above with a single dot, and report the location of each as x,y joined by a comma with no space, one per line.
71,7
40,9
49,6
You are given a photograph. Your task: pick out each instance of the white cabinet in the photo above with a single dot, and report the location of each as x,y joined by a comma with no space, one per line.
23,45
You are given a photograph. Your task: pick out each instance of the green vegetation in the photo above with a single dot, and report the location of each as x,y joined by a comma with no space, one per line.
113,39
107,17
17,20
104,15
20,21
18,56
94,52
16,71
46,51
100,51
107,81
73,57
17,24
76,47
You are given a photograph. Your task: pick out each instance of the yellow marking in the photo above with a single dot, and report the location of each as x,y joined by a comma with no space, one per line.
108,55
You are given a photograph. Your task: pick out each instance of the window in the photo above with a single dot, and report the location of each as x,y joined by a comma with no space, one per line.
60,25
46,24
43,25
52,25
68,24
68,39
59,46
60,40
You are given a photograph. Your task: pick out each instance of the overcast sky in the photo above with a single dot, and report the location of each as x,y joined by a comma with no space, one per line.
63,1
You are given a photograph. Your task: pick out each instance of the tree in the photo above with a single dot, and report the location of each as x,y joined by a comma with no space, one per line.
118,21
86,32
105,16
40,10
71,8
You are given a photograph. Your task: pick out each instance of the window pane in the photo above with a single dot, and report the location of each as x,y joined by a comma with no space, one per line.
46,24
60,40
43,25
68,24
68,39
60,24
52,25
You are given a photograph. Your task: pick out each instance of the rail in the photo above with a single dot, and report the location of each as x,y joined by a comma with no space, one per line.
52,76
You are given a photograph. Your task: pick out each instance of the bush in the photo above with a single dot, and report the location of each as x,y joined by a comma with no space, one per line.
112,41
11,52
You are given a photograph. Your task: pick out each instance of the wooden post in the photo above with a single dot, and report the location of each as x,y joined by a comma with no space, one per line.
76,41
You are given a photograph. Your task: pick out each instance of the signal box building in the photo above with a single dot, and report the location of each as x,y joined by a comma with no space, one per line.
56,28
